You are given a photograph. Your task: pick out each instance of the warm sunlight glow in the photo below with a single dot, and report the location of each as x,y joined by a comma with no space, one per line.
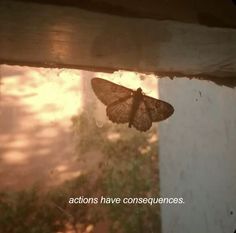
53,96
113,136
134,80
15,157
36,110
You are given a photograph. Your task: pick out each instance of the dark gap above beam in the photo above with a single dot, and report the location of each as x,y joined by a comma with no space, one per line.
210,13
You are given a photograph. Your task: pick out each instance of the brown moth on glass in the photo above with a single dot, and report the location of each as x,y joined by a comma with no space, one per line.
125,105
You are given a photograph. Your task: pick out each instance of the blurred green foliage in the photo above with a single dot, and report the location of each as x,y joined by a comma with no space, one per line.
128,167
34,211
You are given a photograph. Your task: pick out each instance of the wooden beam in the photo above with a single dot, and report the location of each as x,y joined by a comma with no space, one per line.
223,14
54,36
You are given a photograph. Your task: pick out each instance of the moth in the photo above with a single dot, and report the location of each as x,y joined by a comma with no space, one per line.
125,105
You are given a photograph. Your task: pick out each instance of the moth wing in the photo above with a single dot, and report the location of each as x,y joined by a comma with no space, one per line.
158,109
108,92
142,120
119,111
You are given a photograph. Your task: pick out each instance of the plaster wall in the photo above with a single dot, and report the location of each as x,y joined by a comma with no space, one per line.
198,157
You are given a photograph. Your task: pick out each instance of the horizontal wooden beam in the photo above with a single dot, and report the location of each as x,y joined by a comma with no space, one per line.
54,36
223,14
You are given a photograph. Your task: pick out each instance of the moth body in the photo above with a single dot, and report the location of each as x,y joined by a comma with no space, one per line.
137,98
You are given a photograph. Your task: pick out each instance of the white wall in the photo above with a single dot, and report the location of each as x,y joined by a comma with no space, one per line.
198,157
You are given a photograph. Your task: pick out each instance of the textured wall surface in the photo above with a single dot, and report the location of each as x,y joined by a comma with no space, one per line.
198,157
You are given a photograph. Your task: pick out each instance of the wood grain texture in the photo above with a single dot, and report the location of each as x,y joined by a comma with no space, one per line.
55,36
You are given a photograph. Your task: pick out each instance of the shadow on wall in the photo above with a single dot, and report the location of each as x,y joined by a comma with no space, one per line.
35,126
226,81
